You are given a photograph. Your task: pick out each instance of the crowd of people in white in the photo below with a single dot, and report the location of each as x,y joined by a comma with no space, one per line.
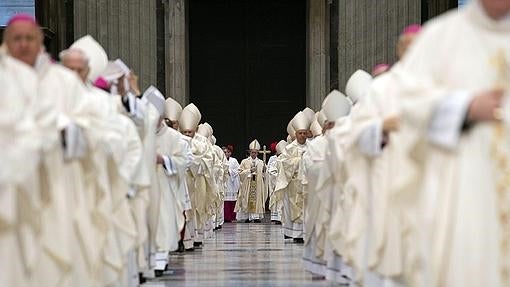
402,181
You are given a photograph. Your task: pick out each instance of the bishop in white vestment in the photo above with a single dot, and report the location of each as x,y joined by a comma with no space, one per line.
454,96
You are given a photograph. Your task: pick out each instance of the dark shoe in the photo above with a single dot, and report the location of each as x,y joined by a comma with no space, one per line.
197,244
247,221
180,249
189,249
158,273
257,221
299,240
141,278
277,222
286,237
219,227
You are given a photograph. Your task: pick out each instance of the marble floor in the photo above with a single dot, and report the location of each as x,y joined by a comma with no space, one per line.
241,254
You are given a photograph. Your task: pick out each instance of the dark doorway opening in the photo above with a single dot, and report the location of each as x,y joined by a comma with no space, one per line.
247,67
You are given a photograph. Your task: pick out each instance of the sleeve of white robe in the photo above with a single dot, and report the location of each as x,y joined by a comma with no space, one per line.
420,88
187,152
133,155
447,120
370,140
234,174
178,161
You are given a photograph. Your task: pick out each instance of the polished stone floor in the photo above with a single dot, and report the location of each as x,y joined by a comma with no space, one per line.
241,254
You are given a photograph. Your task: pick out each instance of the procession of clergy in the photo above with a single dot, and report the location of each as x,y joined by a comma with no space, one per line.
402,181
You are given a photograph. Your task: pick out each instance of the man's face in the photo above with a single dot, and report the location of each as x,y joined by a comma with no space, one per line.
121,87
496,9
24,41
254,153
76,62
301,136
227,152
189,133
404,43
380,70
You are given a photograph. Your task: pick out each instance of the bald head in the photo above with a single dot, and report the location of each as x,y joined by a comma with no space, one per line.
407,38
24,40
77,61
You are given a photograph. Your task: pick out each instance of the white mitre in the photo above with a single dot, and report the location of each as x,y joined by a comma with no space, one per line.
321,118
290,130
96,55
254,145
301,122
316,128
189,118
204,131
310,114
358,85
173,109
281,146
335,106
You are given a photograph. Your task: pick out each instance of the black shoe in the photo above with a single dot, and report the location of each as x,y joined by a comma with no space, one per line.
219,227
299,240
257,221
197,244
286,237
247,221
180,249
141,278
277,222
158,273
189,249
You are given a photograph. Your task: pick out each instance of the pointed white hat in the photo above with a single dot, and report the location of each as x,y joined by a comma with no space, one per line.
321,118
204,131
195,110
254,145
154,96
211,131
173,109
189,118
290,130
310,114
316,128
358,85
97,57
336,105
301,122
281,146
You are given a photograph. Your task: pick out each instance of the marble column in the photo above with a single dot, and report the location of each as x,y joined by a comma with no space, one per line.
317,53
176,58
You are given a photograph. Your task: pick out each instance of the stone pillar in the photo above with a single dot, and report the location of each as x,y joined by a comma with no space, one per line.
125,28
317,53
177,82
368,33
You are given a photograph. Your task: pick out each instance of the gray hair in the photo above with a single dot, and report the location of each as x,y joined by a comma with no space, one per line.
73,51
